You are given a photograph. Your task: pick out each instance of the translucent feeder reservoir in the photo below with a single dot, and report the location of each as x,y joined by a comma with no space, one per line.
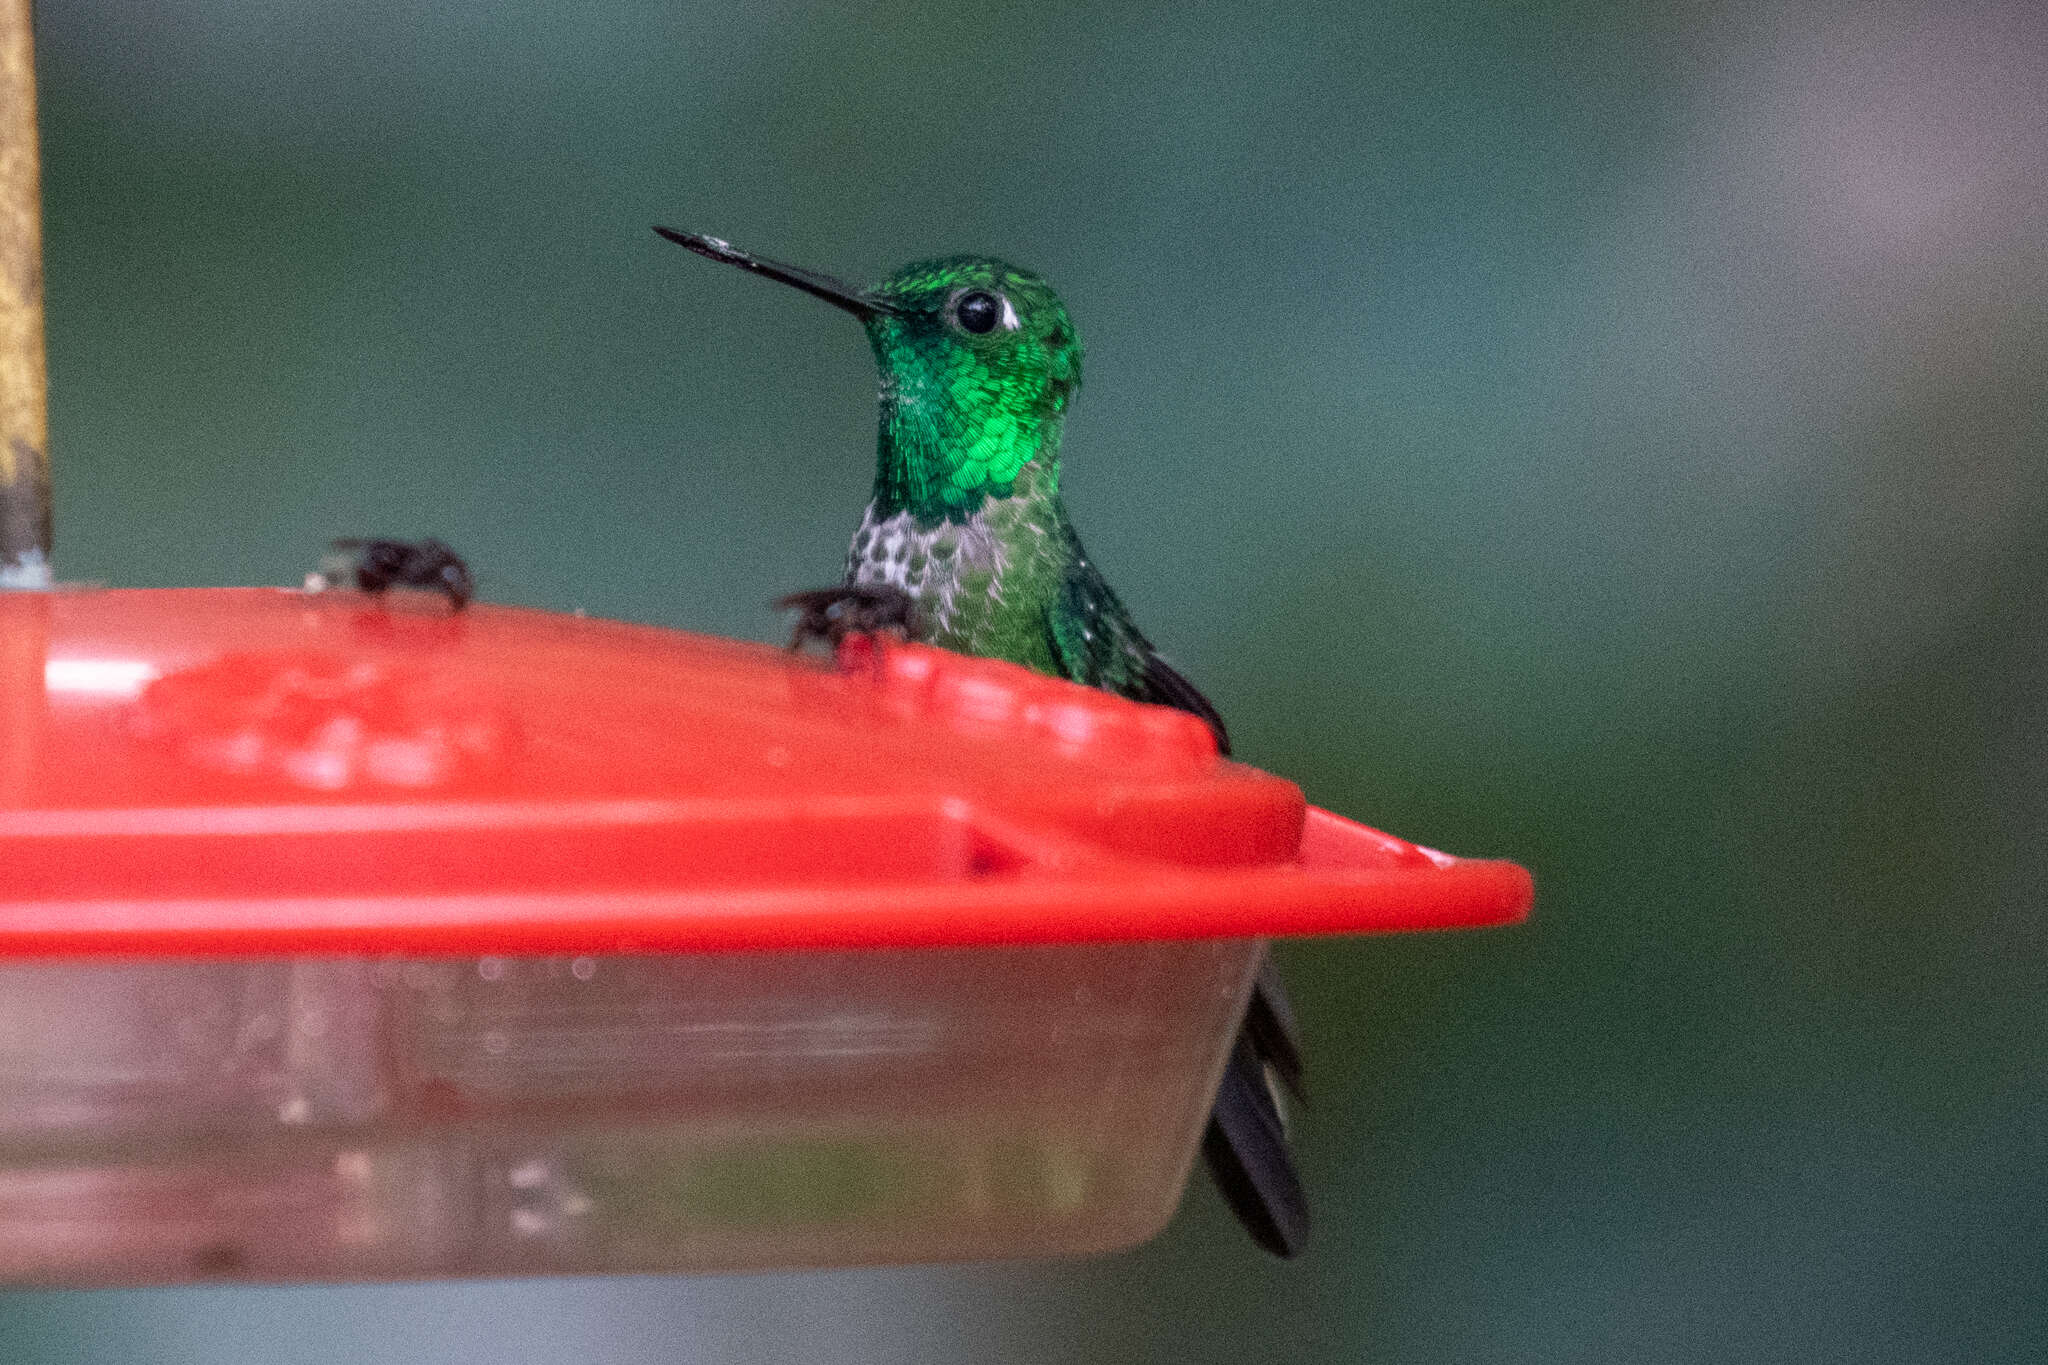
352,939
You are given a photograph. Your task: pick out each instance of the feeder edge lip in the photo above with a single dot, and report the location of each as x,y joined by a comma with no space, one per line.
231,772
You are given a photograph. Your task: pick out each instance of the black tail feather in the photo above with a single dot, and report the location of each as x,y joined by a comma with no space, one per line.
1276,1038
1246,1148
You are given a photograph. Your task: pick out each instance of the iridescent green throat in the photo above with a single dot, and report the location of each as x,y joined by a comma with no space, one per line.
978,363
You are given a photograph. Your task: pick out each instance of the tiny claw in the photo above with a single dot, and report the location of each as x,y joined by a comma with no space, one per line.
831,615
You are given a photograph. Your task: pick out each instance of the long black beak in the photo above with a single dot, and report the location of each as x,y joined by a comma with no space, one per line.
835,292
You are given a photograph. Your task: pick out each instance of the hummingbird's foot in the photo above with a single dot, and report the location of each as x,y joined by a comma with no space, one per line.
832,614
377,565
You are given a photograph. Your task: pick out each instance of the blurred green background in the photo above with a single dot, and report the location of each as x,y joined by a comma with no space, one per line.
1603,435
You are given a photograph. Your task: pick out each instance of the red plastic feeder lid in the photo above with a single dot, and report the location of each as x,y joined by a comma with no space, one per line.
255,771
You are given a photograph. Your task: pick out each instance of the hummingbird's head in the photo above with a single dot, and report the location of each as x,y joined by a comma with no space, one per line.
996,337
978,362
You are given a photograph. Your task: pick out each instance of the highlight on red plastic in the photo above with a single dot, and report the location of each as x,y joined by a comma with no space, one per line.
236,772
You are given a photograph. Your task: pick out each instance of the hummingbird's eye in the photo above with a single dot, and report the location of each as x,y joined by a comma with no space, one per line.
978,312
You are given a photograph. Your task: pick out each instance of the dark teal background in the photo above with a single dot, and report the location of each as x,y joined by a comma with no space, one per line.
1605,435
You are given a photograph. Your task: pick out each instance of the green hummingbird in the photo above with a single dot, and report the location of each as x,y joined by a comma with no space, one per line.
966,544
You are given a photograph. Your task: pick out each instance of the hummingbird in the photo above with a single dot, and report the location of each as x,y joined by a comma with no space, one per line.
380,565
966,544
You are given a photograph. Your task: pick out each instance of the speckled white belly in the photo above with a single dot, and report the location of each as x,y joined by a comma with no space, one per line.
929,564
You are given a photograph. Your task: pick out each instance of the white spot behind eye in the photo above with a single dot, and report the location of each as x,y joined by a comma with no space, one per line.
1009,319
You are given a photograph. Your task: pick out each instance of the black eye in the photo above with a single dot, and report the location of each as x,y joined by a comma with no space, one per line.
978,311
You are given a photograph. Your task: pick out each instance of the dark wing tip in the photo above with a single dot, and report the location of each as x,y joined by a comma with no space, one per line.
1165,685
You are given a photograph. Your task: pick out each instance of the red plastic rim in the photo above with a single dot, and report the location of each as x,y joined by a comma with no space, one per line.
252,771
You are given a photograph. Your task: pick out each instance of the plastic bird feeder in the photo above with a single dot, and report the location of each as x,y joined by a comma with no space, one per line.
345,939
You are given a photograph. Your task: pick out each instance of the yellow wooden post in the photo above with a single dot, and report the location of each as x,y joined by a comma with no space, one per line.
24,405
